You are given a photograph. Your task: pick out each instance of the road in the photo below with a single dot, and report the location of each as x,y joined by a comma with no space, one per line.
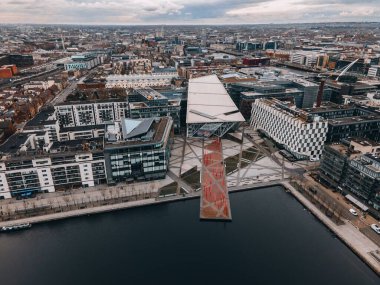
61,97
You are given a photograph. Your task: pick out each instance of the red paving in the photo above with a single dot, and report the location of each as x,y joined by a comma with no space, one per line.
215,202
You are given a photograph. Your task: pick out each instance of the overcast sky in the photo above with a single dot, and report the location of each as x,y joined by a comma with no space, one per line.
187,11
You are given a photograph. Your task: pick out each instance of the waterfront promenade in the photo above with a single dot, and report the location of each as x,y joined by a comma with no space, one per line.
89,210
351,236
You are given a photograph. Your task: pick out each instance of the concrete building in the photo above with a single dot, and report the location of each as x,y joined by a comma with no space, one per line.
140,80
92,113
300,133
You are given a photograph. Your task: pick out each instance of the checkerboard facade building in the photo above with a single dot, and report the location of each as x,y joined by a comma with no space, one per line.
301,134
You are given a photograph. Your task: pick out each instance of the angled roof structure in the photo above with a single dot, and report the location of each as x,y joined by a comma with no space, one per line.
209,102
133,128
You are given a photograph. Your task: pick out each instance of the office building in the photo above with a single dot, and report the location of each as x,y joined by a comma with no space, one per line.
137,149
349,121
300,133
148,103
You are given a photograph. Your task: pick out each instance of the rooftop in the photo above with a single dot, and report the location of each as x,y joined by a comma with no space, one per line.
149,93
138,132
209,102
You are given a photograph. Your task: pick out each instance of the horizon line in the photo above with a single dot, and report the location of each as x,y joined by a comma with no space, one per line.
190,24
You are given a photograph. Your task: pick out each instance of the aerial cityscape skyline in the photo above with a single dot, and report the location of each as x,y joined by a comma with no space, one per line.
190,142
182,12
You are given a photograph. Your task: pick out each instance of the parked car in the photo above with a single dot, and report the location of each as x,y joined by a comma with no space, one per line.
352,211
376,228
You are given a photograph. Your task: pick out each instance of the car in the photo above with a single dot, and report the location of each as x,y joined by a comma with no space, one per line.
376,228
352,211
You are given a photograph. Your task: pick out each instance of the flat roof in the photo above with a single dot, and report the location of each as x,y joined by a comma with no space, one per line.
209,102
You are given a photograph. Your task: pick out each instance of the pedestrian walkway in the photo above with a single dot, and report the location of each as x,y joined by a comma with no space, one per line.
215,202
351,236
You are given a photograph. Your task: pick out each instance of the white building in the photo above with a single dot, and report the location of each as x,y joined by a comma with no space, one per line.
307,58
31,163
374,71
83,61
84,114
300,133
140,80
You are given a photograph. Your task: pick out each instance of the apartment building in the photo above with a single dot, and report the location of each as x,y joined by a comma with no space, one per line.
141,80
93,113
124,150
352,166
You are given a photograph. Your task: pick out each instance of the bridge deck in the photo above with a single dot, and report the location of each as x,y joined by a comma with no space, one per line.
215,202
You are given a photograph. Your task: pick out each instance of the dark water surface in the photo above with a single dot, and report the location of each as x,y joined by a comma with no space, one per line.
271,240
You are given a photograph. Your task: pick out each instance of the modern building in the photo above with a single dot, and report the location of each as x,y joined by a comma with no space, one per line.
334,163
31,164
349,121
82,61
352,166
20,60
302,92
300,133
138,149
45,157
308,58
338,89
363,179
210,110
248,46
148,103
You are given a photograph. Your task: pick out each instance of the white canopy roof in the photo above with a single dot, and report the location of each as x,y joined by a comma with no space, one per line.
209,102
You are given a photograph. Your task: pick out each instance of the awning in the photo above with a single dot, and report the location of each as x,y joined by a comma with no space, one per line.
356,202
